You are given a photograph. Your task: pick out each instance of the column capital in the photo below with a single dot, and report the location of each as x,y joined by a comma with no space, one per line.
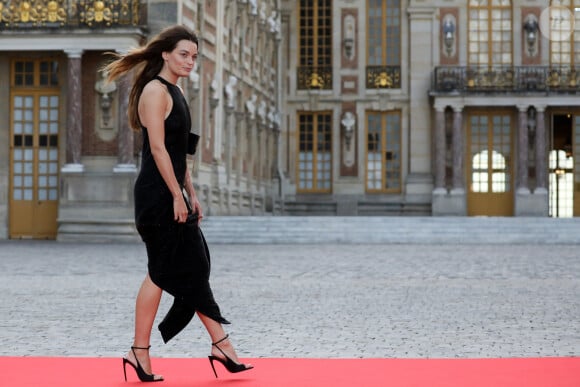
74,53
540,108
457,108
440,107
523,108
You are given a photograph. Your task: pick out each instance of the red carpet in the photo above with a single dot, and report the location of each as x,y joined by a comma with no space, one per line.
104,372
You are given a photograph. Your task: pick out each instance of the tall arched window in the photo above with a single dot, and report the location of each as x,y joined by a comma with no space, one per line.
490,32
565,33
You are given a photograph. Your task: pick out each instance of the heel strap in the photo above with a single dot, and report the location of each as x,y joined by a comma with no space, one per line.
147,348
219,341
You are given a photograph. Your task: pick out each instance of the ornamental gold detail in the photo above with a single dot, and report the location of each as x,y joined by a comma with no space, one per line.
22,14
34,13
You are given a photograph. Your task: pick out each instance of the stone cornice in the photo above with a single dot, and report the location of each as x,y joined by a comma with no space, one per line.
69,42
494,100
425,12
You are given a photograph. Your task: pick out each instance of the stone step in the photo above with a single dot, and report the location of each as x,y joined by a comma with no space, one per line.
390,229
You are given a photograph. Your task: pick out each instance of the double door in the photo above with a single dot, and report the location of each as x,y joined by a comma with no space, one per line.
35,106
490,164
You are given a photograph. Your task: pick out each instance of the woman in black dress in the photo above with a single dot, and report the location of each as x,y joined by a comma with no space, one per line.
167,220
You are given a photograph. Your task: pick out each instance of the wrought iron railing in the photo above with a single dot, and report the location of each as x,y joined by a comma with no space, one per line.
466,79
310,77
383,77
35,14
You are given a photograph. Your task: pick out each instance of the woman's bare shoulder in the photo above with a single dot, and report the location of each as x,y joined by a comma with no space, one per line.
154,88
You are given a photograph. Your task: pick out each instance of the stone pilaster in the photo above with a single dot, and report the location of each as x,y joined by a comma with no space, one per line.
241,146
251,147
419,180
229,143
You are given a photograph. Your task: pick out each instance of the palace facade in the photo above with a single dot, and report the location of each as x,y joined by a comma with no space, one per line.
326,107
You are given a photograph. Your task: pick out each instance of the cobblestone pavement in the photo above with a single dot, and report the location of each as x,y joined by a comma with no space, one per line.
405,301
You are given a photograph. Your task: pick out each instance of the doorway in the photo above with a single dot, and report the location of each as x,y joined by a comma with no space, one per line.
34,128
561,166
489,164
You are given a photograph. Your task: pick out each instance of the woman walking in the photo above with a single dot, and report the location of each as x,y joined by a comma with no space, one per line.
167,220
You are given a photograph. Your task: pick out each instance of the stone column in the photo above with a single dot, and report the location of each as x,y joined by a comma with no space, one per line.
439,137
522,168
74,124
125,140
458,150
418,70
541,158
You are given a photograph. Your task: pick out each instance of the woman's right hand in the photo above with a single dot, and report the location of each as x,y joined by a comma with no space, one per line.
179,209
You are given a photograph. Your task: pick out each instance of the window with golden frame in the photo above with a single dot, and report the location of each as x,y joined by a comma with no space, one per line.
41,73
384,32
315,152
490,33
314,44
565,33
383,164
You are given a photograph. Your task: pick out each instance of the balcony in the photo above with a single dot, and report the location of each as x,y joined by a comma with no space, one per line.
512,79
383,77
26,15
311,77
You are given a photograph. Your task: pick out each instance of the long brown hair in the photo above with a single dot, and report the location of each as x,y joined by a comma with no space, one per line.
148,62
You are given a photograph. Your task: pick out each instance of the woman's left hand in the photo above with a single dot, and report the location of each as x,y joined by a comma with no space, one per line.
196,207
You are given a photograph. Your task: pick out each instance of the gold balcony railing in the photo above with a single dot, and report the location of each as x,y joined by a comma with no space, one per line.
311,77
41,14
383,77
470,79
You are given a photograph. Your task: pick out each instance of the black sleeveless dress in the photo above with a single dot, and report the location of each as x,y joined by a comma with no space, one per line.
178,256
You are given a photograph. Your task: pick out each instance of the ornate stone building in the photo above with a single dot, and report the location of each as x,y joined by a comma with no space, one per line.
456,107
327,107
67,157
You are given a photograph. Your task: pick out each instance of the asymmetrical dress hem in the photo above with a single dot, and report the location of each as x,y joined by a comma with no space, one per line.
178,256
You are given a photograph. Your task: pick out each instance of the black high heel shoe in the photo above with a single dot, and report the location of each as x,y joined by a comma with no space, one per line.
230,365
141,374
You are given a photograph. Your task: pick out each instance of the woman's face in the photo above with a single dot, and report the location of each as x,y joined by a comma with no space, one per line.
181,60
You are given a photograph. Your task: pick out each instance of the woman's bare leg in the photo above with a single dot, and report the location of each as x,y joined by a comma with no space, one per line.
146,307
216,332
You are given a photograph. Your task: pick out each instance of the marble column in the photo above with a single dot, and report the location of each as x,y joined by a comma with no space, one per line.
522,168
541,146
125,139
74,124
439,138
458,150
